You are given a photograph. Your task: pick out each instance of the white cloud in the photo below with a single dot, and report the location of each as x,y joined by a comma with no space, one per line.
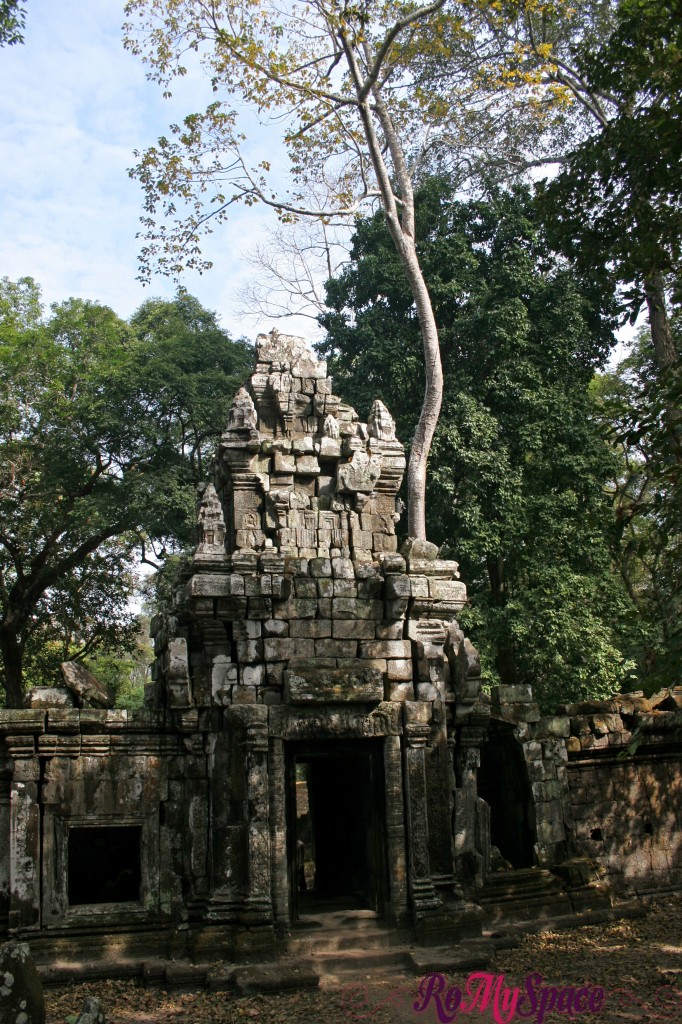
73,108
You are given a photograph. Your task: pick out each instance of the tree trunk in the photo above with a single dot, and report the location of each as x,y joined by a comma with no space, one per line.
433,391
13,665
661,335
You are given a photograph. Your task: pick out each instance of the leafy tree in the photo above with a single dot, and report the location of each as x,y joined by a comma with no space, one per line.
188,369
592,88
126,673
342,81
617,201
517,470
94,454
12,21
647,499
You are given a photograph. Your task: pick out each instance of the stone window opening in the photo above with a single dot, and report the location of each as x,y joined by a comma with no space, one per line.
104,864
597,835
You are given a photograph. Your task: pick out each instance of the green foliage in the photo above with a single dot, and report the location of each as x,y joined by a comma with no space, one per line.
517,469
12,22
616,203
103,429
633,405
126,672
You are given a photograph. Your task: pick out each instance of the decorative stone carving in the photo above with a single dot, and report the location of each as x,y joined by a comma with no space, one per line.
210,523
360,474
242,414
380,423
330,427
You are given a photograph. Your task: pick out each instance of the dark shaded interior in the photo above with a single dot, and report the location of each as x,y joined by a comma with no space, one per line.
336,814
503,784
104,864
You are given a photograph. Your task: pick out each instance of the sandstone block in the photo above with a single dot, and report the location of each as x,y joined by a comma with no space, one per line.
325,587
275,627
320,567
285,463
370,588
311,628
296,608
335,648
354,608
249,650
385,649
361,539
419,586
308,465
447,590
334,685
384,542
389,630
397,585
253,675
353,629
330,448
244,695
399,669
282,650
345,588
342,568
21,993
396,609
553,725
399,691
304,587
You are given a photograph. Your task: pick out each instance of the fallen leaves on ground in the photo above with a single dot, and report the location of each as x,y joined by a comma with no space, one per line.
637,962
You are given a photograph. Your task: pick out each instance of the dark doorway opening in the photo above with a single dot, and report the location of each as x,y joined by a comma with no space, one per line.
503,784
104,864
336,826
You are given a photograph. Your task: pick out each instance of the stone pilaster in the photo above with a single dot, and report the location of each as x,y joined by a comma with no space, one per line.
24,855
417,724
395,832
278,837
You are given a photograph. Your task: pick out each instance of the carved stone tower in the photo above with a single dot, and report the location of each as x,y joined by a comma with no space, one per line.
321,675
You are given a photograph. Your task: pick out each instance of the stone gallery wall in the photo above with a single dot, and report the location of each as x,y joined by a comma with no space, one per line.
627,810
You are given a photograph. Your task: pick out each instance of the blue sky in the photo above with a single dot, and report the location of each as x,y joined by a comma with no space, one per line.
74,105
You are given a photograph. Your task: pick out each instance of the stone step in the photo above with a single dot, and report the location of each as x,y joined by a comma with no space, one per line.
370,938
356,961
451,959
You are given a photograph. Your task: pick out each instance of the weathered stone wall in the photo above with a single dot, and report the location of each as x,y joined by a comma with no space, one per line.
627,808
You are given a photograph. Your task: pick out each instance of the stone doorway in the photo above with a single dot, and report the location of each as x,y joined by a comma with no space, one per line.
503,783
336,825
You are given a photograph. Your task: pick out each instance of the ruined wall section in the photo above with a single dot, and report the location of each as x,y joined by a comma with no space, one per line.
296,572
627,807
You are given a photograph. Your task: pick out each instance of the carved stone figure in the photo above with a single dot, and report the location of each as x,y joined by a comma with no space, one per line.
380,423
242,414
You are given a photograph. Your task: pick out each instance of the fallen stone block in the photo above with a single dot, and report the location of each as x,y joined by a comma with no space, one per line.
21,991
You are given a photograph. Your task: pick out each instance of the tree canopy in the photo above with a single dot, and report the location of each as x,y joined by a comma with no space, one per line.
99,442
518,467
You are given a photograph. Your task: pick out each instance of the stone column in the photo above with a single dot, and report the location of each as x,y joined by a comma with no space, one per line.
417,728
395,832
278,837
257,902
24,854
5,787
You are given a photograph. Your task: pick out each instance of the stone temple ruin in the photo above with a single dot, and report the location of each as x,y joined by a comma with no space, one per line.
316,734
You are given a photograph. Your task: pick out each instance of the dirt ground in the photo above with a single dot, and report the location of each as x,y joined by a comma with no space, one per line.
638,964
